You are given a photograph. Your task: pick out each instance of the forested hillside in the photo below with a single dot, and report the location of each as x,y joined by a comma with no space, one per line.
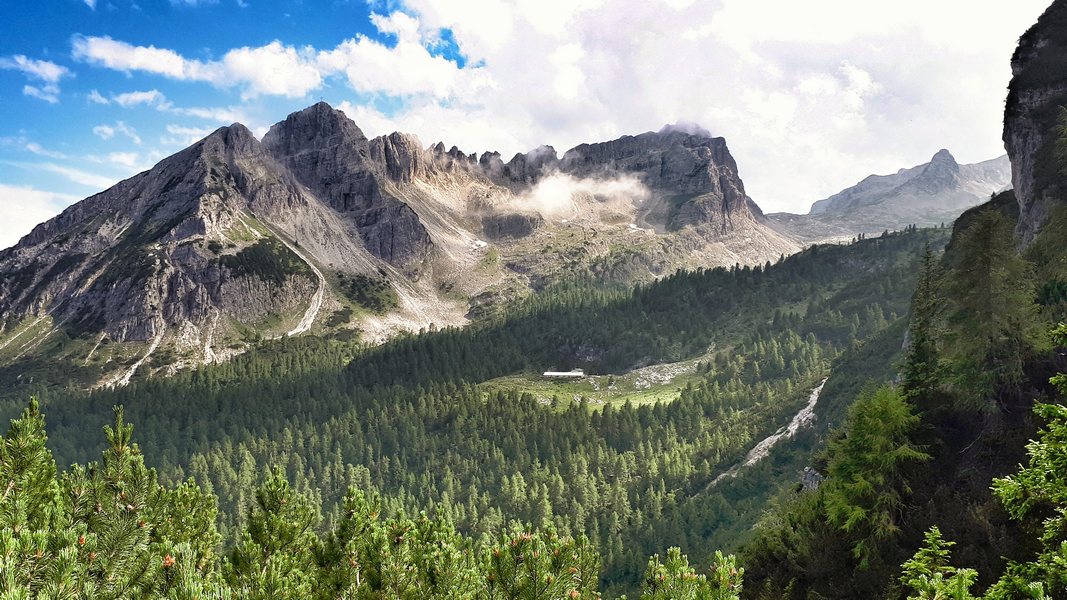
934,462
408,423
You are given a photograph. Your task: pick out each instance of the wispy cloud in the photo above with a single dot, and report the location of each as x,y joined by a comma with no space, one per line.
37,149
43,70
156,99
106,132
183,136
48,92
46,72
92,180
97,98
149,97
126,159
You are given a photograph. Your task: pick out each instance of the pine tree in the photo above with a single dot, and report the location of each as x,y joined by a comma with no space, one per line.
865,486
921,369
541,566
275,556
675,579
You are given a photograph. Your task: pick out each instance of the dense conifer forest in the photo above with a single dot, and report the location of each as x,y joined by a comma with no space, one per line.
319,468
409,424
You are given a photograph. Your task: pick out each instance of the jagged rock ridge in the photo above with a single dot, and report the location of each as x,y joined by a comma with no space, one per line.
235,236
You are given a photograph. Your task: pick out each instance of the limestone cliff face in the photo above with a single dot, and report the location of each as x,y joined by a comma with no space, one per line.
1036,94
327,152
133,262
697,168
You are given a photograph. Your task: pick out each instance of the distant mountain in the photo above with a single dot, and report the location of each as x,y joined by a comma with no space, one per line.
925,195
318,228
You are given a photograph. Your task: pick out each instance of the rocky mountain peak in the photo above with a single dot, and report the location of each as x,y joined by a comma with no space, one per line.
314,128
529,167
943,156
228,142
926,195
401,155
940,174
670,159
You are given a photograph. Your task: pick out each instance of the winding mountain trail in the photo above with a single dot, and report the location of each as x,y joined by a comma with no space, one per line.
805,417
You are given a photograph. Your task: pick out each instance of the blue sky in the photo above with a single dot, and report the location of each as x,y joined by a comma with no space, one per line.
811,96
116,135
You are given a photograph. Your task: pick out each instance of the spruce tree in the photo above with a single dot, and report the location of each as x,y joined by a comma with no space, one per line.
865,487
929,575
921,363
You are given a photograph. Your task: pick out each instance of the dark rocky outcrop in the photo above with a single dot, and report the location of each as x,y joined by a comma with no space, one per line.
1036,97
696,170
529,167
503,226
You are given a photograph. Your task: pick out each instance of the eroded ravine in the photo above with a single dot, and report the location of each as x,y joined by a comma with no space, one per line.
805,417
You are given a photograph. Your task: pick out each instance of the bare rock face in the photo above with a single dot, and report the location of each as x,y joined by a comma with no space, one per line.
1037,91
130,263
528,168
400,155
941,174
698,170
325,151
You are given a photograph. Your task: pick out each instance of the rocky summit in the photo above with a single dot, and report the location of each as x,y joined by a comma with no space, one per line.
319,228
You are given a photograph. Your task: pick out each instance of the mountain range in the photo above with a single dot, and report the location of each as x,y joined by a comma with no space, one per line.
928,195
318,228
